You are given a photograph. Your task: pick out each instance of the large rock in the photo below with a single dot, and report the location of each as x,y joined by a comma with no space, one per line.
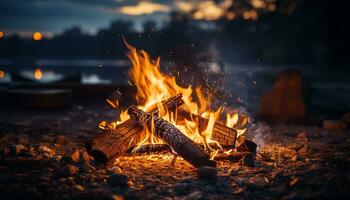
288,98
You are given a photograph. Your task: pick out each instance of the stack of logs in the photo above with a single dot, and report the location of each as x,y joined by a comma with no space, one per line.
106,147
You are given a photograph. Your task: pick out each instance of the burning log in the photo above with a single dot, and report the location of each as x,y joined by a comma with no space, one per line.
226,136
108,146
180,143
150,148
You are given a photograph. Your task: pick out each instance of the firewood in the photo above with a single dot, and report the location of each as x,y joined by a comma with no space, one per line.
180,143
150,148
226,136
108,146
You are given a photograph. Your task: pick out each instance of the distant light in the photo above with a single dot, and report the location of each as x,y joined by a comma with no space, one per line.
37,36
38,74
2,73
230,15
272,7
2,34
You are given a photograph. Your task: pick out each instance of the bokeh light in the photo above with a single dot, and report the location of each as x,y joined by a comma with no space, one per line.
37,36
2,73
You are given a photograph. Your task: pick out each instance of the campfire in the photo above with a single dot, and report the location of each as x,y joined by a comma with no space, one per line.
169,117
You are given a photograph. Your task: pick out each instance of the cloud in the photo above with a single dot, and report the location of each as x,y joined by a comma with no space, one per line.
206,10
144,7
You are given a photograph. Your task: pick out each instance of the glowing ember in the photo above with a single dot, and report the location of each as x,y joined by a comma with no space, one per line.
38,74
154,86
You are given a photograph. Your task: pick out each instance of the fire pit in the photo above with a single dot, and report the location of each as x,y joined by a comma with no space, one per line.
168,114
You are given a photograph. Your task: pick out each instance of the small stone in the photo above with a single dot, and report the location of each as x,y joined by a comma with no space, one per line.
116,170
315,167
304,151
72,157
67,171
206,172
79,188
87,167
46,149
117,197
293,182
62,140
85,157
333,125
248,160
302,136
296,157
19,149
118,180
233,172
195,195
181,188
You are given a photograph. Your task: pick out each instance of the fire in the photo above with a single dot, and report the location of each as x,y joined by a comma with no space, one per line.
154,86
38,74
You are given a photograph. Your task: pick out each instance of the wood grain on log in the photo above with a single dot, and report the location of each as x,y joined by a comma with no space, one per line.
108,146
226,136
180,143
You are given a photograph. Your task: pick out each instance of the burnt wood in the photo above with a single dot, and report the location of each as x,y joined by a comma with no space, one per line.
106,147
179,142
226,136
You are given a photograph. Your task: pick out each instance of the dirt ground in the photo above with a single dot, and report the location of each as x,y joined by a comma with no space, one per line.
43,157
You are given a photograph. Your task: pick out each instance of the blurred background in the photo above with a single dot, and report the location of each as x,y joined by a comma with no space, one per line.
235,46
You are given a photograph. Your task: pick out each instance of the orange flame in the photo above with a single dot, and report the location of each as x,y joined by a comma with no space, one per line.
154,86
38,74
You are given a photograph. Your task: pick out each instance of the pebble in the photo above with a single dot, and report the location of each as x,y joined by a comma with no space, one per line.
72,157
296,157
62,140
233,172
315,167
304,151
46,149
85,157
302,136
19,149
79,188
68,170
116,170
206,172
118,180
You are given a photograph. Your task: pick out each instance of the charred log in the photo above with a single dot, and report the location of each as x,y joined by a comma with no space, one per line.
180,143
108,146
226,136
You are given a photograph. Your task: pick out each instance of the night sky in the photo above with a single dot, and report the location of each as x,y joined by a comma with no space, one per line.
53,16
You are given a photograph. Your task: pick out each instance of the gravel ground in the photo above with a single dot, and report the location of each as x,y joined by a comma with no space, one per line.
43,157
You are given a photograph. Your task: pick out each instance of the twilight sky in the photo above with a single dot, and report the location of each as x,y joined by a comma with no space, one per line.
53,16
